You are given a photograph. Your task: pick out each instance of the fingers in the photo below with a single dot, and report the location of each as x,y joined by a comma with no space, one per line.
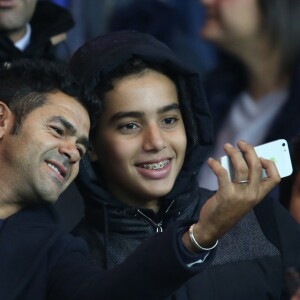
255,167
253,163
220,172
273,176
239,164
247,168
233,200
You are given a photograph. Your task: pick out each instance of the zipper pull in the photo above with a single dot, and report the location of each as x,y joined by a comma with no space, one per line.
159,227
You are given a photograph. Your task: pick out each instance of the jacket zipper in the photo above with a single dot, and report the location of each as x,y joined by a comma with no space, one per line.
158,226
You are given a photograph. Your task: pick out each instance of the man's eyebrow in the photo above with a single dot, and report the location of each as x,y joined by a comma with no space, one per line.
69,127
138,114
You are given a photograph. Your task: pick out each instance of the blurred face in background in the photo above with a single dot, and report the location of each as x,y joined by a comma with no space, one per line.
14,14
229,23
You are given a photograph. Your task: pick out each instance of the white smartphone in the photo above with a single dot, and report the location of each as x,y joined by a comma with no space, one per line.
278,151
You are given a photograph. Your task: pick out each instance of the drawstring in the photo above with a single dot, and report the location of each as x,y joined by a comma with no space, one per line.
105,222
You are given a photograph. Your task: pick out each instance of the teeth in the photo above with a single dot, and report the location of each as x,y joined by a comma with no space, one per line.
156,166
54,168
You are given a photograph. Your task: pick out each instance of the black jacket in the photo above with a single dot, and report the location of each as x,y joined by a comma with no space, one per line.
250,259
48,22
40,261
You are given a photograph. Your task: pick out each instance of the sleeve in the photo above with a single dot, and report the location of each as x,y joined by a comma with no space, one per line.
190,259
153,271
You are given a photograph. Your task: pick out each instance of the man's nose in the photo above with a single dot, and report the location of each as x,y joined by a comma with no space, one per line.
69,149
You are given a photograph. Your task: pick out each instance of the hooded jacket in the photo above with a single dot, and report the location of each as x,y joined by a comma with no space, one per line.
49,25
250,258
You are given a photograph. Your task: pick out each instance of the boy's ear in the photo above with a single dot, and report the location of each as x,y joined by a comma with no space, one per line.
6,117
92,153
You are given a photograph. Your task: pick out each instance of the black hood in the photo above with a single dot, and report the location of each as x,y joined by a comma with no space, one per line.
105,53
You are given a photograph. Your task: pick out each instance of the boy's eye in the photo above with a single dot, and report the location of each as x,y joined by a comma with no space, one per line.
169,121
129,126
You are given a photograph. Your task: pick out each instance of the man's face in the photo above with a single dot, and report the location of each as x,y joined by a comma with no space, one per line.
42,159
14,14
140,139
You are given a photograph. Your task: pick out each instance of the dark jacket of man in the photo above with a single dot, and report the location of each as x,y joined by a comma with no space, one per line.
39,261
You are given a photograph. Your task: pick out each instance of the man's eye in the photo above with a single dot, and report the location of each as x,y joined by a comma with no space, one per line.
57,130
81,151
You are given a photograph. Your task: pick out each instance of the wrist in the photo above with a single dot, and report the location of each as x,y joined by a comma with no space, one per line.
196,245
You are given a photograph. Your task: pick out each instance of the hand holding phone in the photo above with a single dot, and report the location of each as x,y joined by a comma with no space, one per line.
276,151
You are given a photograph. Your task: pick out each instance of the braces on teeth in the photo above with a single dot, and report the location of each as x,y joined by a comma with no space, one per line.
157,166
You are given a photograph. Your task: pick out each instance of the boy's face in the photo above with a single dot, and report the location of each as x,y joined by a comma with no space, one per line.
140,139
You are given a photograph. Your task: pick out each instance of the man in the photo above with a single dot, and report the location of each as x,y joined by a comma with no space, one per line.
149,141
32,29
44,130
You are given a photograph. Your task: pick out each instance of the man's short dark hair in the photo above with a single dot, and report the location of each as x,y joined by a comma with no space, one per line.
24,85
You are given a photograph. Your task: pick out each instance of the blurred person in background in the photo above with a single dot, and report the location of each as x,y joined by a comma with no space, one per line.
32,29
172,22
254,93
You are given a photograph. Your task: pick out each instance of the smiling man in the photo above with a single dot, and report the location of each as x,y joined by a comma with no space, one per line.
47,147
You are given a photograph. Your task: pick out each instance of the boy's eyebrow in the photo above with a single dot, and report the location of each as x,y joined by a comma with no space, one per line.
174,106
138,114
126,114
82,139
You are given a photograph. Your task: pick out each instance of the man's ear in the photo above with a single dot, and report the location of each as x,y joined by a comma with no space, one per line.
92,153
6,117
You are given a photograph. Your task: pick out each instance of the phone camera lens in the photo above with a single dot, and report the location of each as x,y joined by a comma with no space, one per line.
283,144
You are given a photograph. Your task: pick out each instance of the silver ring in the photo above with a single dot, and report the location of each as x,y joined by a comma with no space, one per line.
241,181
